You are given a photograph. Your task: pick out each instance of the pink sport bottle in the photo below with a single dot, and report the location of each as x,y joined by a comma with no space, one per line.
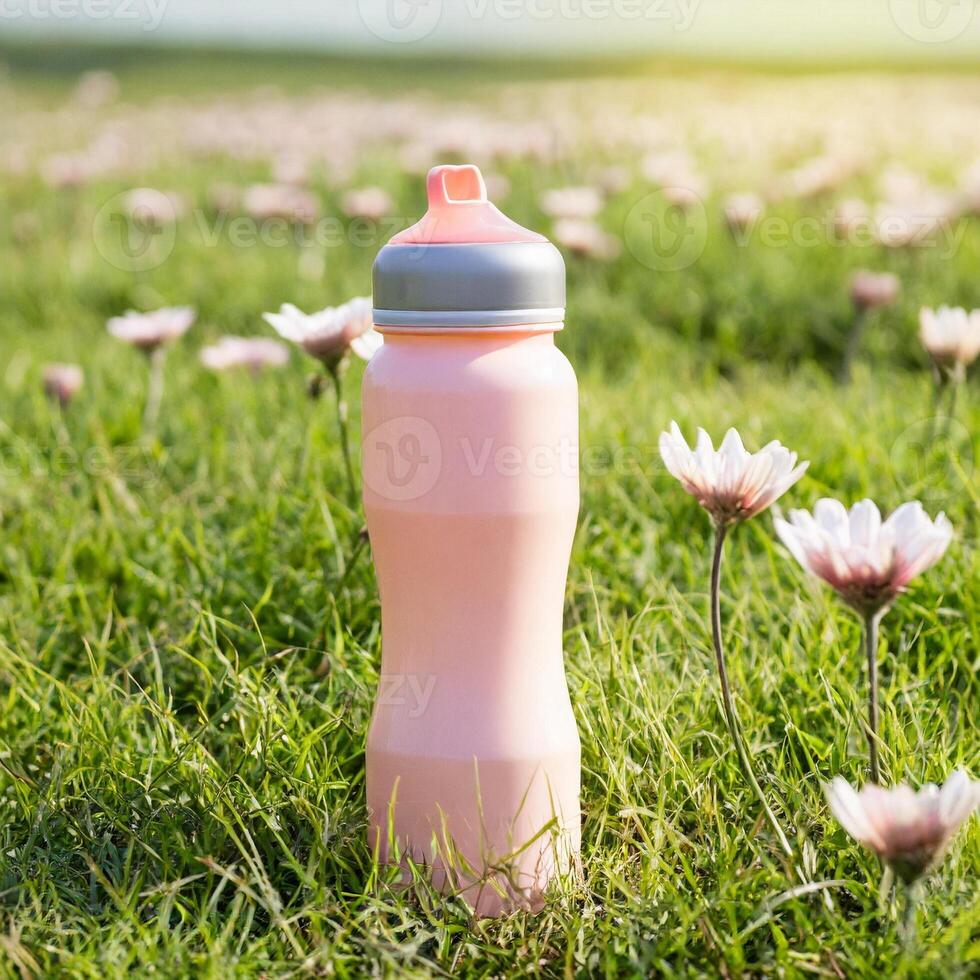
470,463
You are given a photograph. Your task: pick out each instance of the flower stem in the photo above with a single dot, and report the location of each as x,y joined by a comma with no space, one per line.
60,424
909,923
871,622
937,403
731,718
946,385
951,414
853,345
154,391
336,376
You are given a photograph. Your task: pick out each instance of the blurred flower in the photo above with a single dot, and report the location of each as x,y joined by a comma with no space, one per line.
614,179
95,89
109,151
579,203
742,211
814,177
908,830
686,192
970,188
152,207
852,217
372,203
868,562
290,168
150,331
63,170
897,183
898,223
498,186
730,483
62,381
328,334
415,158
585,238
951,336
871,290
223,196
667,167
674,172
264,201
254,353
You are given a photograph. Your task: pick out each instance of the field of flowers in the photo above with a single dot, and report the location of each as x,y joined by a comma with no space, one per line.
189,621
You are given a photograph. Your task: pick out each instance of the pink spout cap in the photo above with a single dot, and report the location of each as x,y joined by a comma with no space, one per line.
459,213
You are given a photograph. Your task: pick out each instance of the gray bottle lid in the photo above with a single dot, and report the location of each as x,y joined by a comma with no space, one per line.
465,264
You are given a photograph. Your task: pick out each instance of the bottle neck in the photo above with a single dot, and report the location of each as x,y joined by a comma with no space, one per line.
475,333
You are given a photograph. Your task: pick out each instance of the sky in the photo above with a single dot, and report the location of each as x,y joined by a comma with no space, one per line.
930,31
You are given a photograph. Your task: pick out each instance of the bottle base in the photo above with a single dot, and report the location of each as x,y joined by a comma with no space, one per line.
493,832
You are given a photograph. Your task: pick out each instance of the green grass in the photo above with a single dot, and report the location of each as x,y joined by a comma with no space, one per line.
189,646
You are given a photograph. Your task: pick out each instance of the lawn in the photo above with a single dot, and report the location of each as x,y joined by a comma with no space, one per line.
189,622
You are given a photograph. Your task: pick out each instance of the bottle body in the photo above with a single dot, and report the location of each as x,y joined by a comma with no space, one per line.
470,462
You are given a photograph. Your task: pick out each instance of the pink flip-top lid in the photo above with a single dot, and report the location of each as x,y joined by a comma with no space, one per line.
459,213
